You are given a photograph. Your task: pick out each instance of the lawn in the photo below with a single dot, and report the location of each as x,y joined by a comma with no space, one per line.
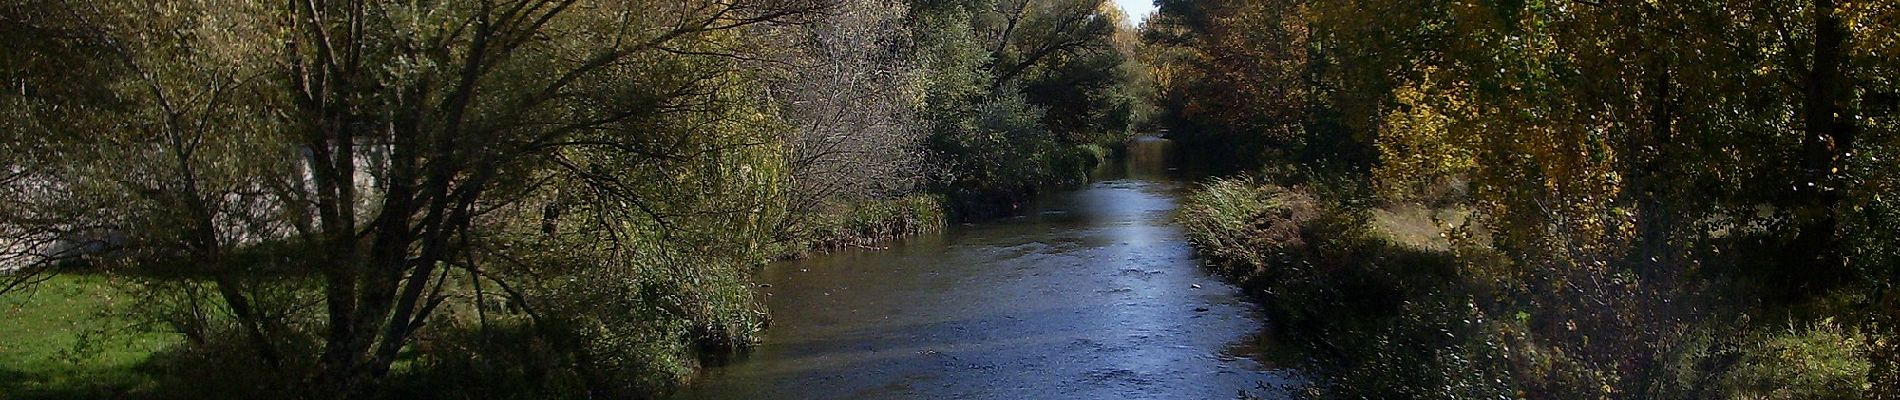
59,340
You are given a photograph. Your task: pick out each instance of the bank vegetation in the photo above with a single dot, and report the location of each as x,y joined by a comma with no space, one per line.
1618,199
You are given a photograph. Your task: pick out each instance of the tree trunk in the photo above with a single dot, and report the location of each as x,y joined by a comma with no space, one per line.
1828,134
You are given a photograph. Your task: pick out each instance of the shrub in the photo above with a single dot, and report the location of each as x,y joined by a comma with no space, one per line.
1821,361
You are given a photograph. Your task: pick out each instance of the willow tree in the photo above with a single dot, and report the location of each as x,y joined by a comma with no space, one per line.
378,147
469,101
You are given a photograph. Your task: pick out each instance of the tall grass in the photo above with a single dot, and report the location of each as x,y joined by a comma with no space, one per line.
866,223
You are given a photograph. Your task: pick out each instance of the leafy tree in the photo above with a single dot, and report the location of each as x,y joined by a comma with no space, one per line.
382,148
1026,81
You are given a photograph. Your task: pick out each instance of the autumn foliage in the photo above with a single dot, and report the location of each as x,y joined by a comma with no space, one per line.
1664,199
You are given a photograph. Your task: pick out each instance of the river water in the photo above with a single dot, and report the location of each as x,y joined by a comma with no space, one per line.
1093,294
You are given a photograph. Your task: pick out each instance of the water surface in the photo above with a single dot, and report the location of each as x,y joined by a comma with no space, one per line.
1094,293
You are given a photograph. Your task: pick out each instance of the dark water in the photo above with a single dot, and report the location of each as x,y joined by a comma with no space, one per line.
1094,294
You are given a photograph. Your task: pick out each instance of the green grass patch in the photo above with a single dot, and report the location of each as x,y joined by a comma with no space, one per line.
63,339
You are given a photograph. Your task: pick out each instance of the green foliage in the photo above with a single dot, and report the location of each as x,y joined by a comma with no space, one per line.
1628,178
1013,87
1094,95
1823,361
1004,157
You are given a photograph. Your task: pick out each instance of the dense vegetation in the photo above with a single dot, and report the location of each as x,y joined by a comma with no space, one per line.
494,198
567,198
1623,199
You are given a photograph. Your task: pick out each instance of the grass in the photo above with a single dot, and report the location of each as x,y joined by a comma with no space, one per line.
59,339
864,224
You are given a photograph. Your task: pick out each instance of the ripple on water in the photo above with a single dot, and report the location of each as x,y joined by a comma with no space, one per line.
1093,295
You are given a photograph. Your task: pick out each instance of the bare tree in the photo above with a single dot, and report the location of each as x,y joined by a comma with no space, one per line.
850,86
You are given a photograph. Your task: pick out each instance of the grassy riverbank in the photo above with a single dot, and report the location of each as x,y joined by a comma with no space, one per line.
1376,310
866,224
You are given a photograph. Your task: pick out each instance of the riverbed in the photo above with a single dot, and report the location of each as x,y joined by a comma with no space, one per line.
1091,294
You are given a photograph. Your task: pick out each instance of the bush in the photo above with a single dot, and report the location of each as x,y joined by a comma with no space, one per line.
507,359
224,366
1822,361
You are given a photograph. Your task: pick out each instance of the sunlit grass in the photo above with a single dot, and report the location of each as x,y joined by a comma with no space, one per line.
59,339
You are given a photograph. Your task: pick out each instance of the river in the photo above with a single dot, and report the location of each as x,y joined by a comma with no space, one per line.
1094,294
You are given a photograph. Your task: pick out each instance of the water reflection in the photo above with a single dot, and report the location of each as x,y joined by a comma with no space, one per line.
1145,158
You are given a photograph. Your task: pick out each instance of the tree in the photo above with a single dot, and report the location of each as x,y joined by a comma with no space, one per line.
853,90
375,146
995,72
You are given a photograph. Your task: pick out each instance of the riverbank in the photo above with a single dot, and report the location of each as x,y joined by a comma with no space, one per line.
1372,307
865,224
